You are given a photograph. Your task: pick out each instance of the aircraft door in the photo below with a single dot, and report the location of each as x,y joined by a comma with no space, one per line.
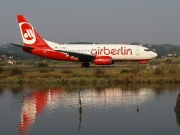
137,51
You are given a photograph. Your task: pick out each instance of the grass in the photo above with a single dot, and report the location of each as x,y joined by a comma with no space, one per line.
115,75
16,71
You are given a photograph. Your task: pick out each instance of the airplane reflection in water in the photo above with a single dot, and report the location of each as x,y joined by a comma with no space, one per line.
34,104
37,101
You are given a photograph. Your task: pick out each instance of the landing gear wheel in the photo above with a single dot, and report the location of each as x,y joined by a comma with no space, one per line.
85,64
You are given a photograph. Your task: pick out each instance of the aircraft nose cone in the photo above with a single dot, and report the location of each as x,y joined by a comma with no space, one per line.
155,54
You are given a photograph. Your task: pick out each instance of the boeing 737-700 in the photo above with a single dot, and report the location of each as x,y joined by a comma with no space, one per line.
99,54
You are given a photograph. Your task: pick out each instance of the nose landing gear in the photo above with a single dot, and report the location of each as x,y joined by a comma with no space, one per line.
85,64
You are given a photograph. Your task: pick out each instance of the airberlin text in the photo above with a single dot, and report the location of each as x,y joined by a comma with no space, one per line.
107,51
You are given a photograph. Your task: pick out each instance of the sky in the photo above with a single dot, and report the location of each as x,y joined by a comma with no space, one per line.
100,21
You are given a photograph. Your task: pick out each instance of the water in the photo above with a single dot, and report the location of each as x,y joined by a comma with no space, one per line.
125,109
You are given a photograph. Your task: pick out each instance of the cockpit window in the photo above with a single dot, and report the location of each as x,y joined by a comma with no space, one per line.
147,50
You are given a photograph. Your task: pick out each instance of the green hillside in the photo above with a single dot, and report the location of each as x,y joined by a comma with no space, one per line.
16,52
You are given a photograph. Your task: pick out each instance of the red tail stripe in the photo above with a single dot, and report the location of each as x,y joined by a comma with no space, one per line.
40,42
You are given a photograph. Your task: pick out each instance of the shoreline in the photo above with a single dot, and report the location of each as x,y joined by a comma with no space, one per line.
84,81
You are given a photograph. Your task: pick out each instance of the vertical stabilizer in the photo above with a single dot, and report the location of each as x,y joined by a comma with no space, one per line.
29,35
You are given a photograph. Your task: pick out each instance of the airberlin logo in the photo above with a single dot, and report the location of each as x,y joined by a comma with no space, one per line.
107,51
27,33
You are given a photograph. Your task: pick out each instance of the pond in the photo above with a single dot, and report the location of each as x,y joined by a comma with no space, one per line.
102,110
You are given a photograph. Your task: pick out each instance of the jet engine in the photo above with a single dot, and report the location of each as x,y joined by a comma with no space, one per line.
143,61
103,60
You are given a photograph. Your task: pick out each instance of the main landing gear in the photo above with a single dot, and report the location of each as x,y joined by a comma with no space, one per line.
85,64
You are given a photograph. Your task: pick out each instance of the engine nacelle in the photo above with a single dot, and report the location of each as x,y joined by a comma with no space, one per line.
103,60
143,61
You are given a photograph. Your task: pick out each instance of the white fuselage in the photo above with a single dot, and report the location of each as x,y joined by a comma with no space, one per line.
116,51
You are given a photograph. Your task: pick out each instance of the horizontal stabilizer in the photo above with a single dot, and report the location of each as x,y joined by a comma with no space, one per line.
18,45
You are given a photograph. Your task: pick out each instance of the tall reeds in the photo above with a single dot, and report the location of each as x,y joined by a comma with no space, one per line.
16,71
161,74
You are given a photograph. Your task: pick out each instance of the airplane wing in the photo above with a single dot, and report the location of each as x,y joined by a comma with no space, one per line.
18,45
80,56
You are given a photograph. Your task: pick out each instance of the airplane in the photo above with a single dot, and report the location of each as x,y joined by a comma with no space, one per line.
99,54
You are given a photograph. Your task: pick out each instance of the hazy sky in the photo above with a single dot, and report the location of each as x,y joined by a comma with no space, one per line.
102,21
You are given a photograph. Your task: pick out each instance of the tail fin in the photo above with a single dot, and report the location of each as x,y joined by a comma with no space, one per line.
29,35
